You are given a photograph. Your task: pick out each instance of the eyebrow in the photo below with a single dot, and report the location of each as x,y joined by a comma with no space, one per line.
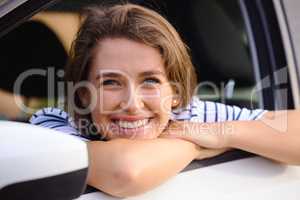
116,75
151,73
108,74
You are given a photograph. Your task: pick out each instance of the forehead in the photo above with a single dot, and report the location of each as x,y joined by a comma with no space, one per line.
126,56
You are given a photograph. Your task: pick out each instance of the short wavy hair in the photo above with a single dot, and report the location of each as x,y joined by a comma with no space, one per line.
135,23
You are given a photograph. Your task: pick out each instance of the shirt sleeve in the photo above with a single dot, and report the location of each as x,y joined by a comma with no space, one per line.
57,119
207,111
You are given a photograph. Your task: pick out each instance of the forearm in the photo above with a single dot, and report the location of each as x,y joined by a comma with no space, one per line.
158,160
275,136
105,167
129,167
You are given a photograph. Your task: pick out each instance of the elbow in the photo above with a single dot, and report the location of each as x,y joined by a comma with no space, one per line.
294,157
289,161
295,162
128,181
122,181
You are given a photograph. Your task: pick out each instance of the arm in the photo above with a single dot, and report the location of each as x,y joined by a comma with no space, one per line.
128,167
123,167
276,135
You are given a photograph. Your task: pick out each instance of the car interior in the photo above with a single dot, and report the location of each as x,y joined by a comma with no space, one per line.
218,47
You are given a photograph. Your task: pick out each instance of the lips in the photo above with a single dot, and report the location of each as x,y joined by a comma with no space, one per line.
132,124
129,118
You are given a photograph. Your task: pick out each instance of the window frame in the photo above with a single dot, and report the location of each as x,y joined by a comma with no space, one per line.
287,18
21,13
268,54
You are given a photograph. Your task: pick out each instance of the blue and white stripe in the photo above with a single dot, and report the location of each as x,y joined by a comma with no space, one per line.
207,111
196,111
57,119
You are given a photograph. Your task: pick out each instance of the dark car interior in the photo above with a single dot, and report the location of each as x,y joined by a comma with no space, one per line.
31,45
218,47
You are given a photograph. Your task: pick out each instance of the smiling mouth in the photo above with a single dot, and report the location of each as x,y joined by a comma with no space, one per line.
132,124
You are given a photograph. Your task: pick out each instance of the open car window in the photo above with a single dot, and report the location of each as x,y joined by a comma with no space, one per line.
213,29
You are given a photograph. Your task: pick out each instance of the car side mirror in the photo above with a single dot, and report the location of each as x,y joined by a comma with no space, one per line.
39,163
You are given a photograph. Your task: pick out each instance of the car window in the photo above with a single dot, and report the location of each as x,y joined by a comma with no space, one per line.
214,30
30,55
216,33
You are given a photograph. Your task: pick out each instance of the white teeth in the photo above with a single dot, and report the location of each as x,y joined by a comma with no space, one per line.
135,124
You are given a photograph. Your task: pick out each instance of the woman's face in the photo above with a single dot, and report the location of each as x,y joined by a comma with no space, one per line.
134,97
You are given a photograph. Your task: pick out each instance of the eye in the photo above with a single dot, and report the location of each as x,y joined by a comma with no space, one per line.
151,81
111,82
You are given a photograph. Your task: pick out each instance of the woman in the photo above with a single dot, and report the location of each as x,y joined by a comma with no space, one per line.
133,80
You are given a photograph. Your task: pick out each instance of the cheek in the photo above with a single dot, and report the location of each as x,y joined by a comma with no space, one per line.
160,104
166,99
108,101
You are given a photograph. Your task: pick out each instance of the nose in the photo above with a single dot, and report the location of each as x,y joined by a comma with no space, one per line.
132,101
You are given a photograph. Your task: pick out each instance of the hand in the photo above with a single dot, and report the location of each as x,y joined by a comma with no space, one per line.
207,135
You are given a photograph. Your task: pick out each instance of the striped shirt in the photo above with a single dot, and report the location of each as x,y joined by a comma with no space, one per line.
196,111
